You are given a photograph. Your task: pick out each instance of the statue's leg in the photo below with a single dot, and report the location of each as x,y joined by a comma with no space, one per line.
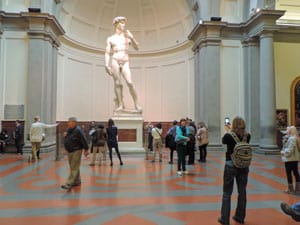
116,70
119,90
127,75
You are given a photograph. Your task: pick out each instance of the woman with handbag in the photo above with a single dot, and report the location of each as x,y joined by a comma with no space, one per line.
202,141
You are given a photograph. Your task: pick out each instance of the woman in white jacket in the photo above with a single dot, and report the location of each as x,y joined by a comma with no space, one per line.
290,157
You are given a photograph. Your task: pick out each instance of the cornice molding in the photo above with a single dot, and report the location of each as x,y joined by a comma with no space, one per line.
99,51
261,22
41,25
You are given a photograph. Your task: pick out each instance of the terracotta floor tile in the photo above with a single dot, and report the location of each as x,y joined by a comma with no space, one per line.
139,192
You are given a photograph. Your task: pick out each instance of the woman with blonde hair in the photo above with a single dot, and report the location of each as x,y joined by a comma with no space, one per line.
290,157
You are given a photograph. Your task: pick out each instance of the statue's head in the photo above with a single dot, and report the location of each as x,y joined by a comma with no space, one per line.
118,19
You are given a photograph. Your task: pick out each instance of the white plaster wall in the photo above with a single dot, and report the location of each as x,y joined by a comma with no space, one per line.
231,80
82,88
14,67
164,83
232,10
15,5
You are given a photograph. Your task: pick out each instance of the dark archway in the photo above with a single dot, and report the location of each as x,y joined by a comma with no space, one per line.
295,102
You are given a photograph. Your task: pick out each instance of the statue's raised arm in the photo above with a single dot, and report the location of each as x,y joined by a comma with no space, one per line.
134,43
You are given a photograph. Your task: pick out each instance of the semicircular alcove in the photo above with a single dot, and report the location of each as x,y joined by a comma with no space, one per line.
164,62
156,24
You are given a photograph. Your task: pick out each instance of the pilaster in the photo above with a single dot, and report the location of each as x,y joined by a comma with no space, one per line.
211,90
259,86
267,95
42,73
207,96
251,89
43,31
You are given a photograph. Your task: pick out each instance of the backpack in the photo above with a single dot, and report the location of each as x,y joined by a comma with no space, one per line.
170,141
242,152
98,138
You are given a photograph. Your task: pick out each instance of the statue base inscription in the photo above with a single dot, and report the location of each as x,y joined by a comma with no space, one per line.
130,132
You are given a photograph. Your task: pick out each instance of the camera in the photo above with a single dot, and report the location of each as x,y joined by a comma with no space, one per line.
227,121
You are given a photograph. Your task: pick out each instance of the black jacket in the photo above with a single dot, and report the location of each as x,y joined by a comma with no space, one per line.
19,133
112,134
75,140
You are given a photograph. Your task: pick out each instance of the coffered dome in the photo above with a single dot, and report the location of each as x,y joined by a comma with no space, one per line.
156,24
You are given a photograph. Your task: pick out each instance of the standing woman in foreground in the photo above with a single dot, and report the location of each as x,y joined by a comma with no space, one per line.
290,157
112,140
181,139
231,172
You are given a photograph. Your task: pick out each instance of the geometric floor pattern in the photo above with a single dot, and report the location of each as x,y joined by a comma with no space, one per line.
137,193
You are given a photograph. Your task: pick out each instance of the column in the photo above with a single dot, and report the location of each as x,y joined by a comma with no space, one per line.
251,73
198,87
267,95
211,90
42,75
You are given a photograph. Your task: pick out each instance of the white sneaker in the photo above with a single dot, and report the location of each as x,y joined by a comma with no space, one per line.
179,173
185,172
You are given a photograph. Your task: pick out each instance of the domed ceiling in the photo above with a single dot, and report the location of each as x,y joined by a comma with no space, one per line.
156,24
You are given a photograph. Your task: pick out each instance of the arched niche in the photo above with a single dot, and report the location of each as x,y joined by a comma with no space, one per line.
295,102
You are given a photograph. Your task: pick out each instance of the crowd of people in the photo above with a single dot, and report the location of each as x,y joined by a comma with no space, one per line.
182,137
196,138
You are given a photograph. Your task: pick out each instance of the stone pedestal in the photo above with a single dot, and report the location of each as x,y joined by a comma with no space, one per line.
130,132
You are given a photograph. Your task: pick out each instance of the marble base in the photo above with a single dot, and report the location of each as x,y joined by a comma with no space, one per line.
129,113
132,124
268,150
45,147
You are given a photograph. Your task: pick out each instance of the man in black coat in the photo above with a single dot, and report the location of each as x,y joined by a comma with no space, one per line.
75,142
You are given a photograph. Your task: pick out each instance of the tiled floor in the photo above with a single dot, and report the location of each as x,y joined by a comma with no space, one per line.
140,192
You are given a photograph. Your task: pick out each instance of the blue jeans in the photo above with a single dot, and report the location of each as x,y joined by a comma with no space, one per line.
296,207
241,176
